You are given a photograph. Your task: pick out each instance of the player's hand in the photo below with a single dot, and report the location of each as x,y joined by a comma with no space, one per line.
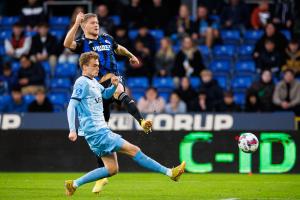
134,61
73,136
79,18
115,80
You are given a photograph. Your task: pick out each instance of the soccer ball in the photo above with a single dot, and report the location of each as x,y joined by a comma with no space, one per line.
248,142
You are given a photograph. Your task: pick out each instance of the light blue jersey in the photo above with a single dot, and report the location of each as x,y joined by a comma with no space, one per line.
86,99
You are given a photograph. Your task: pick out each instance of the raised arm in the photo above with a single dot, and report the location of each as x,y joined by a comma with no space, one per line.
69,41
122,51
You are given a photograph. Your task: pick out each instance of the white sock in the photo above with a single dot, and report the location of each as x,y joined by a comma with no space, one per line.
75,185
169,172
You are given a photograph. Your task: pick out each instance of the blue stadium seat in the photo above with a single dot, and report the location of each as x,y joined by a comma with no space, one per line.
4,100
30,33
66,70
15,66
224,52
58,33
137,95
251,36
9,21
62,21
239,97
116,19
132,34
6,34
287,34
222,80
140,83
163,84
29,98
164,95
245,52
231,36
205,51
46,67
241,82
60,83
195,82
2,50
157,34
59,97
245,67
220,66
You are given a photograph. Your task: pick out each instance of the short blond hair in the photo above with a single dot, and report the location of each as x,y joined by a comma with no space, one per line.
88,16
86,57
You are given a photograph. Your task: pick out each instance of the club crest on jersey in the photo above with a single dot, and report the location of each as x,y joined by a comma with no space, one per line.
101,48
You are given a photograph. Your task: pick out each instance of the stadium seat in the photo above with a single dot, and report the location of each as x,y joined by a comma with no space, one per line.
46,67
59,21
60,83
245,67
2,50
59,100
239,98
218,66
157,34
121,67
8,21
251,36
241,82
224,52
138,83
58,33
245,52
132,34
4,100
163,84
231,37
222,80
116,19
29,98
30,33
66,70
287,34
195,82
15,66
6,34
164,95
205,51
137,95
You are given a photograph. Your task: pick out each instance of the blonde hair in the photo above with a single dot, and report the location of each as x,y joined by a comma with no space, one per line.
88,16
169,54
86,57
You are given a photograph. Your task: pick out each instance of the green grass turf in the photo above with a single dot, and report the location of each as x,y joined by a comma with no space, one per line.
131,186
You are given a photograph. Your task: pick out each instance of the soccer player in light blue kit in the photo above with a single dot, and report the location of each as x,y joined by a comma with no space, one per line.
87,101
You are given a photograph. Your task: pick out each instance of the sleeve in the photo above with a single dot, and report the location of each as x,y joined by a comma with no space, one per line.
79,46
114,43
71,113
79,90
276,99
107,93
25,49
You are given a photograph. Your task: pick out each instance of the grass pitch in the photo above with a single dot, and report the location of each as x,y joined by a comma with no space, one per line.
132,186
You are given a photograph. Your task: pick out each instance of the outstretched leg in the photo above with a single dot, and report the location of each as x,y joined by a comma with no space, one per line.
110,168
148,163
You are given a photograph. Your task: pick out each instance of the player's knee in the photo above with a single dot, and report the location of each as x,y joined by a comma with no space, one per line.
135,150
113,170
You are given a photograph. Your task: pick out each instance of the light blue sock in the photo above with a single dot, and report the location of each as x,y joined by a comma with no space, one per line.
149,163
92,176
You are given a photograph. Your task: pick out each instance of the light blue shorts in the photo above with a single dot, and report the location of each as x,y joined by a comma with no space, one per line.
104,142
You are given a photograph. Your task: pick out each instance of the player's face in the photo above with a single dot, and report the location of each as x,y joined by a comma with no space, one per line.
92,26
92,69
